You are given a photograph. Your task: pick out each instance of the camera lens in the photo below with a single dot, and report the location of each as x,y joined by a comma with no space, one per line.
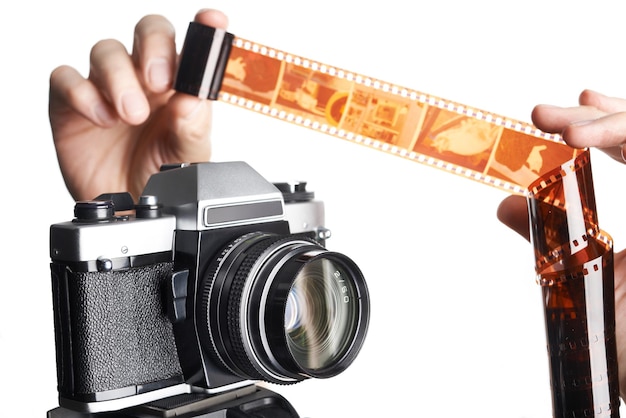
283,309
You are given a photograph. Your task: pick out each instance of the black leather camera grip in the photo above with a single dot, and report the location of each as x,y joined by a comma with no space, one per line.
113,336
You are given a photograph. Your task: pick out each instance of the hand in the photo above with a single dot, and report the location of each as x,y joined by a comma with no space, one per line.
117,127
600,122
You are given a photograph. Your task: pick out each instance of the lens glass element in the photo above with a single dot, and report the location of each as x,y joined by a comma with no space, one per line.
321,314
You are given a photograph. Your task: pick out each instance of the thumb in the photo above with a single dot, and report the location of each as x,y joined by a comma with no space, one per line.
190,117
513,212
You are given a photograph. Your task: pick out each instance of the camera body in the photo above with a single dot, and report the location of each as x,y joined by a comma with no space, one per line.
208,283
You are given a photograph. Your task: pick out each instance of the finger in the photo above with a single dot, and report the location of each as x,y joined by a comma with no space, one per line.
190,124
607,133
599,121
154,52
70,91
593,105
513,212
113,72
603,132
602,102
554,119
211,17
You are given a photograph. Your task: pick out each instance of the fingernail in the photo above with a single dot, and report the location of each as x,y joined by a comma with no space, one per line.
134,105
159,74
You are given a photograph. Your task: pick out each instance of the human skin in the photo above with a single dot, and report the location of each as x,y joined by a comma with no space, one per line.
116,127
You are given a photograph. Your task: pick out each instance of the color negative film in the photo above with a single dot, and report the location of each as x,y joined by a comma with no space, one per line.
574,258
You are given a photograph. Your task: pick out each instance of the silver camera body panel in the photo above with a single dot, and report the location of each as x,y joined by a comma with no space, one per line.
126,237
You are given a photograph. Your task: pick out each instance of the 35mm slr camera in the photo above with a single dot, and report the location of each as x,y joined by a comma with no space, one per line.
214,279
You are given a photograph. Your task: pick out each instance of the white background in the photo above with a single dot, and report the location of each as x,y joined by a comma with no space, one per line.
457,324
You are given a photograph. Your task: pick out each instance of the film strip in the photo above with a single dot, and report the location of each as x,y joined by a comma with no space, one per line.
574,257
483,146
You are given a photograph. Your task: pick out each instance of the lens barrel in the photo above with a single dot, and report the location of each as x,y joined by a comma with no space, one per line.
283,309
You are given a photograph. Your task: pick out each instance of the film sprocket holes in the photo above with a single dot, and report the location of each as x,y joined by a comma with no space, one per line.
218,279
